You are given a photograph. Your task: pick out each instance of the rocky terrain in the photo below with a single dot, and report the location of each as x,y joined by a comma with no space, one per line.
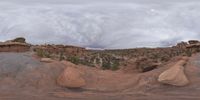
58,72
142,59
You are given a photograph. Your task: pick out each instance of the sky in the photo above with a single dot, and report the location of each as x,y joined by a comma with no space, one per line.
107,24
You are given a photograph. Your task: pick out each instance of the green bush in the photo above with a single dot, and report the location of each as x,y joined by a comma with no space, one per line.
74,59
115,65
110,65
106,65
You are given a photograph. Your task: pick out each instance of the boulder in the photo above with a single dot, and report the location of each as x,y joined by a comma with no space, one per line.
175,75
47,60
71,78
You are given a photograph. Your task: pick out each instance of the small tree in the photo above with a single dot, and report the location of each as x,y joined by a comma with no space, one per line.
106,65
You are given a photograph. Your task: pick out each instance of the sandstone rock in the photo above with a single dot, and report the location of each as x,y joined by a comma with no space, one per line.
193,46
71,78
47,60
16,45
175,75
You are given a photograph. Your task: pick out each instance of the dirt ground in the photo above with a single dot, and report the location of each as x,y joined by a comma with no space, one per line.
24,77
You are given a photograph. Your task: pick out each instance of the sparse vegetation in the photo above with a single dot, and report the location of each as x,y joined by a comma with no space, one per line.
115,65
74,59
110,65
42,53
112,59
106,65
61,57
188,53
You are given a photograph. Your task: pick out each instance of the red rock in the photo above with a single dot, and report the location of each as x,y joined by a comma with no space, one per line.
71,78
175,75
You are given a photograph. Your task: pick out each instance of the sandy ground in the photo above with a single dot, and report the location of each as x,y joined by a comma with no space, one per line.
24,77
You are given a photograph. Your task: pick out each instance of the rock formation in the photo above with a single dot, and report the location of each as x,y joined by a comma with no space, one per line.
16,45
175,75
71,78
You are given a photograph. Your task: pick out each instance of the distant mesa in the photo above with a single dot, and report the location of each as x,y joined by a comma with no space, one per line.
15,45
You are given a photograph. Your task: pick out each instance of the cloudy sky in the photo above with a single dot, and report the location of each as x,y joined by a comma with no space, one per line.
101,23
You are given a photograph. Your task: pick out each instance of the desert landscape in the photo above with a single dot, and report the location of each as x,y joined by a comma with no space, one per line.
63,72
99,50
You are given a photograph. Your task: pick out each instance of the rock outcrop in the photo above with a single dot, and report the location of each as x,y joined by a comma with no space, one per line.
175,75
71,78
16,45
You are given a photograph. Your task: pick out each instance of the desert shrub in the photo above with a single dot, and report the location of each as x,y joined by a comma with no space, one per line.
98,61
39,53
188,53
115,65
74,59
106,65
61,56
110,65
164,57
43,53
84,62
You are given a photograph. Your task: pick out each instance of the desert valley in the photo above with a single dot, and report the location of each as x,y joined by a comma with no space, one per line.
63,72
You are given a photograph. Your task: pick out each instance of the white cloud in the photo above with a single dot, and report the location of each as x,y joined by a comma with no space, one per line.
124,24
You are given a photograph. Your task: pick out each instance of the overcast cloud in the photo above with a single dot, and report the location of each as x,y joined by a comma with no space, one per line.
101,23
